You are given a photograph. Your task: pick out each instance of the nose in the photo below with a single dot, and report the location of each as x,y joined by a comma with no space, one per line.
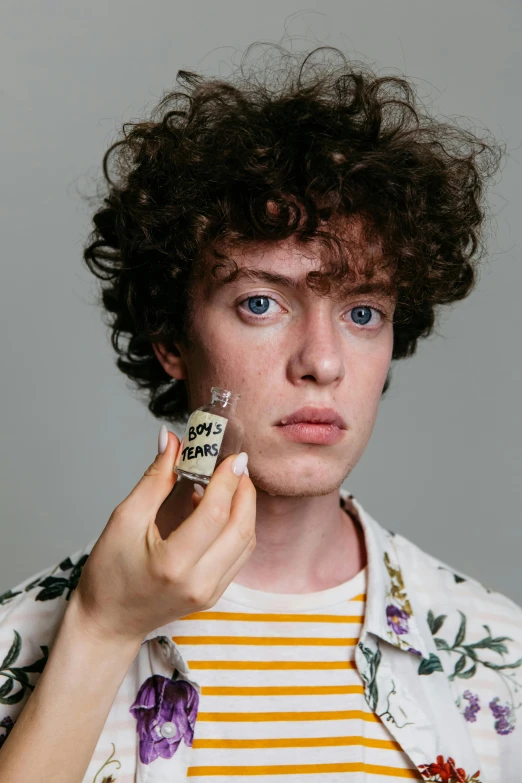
318,349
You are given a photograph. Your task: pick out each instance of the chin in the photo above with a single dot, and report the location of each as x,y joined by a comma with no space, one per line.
286,483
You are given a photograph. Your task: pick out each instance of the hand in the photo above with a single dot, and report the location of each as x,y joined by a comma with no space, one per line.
134,581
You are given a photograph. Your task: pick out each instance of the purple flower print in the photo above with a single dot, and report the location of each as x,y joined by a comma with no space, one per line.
504,723
414,651
470,713
397,619
7,723
161,700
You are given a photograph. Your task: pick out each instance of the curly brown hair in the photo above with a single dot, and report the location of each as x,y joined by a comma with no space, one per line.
322,143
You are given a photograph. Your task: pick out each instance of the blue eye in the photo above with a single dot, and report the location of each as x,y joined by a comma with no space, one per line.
259,305
256,304
364,313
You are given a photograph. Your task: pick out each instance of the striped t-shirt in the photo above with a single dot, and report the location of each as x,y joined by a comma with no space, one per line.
280,693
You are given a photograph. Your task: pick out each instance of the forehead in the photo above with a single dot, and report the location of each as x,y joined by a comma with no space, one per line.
351,265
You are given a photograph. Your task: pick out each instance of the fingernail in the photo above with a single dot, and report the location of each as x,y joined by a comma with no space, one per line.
163,439
246,471
199,489
239,464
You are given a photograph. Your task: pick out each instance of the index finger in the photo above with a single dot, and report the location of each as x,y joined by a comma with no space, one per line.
199,530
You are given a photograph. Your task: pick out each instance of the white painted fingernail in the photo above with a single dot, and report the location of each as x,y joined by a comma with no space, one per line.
240,463
199,489
246,471
163,439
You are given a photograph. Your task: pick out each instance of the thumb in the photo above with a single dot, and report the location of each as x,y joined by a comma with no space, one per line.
158,480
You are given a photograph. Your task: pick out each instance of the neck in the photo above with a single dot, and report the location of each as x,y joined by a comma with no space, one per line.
303,544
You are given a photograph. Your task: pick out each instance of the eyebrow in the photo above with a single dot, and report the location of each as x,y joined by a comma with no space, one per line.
299,284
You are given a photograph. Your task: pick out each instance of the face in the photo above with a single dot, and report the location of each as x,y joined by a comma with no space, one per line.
282,348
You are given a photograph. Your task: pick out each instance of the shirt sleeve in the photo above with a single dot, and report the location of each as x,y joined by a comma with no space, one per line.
477,633
505,705
30,615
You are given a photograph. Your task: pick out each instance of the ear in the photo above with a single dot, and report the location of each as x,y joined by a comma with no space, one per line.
171,361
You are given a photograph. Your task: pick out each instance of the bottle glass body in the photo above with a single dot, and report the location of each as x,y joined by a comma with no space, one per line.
213,432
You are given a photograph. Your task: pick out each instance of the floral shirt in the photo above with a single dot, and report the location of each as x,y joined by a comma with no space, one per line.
439,656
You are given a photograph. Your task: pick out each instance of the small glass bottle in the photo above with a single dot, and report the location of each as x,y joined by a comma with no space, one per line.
213,432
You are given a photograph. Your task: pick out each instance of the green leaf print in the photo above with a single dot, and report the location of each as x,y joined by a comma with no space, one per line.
371,692
55,586
18,674
430,665
468,661
435,623
13,653
5,597
469,672
461,633
498,666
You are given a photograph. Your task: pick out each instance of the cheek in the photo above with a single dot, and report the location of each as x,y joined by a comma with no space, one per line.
378,360
370,377
233,362
249,367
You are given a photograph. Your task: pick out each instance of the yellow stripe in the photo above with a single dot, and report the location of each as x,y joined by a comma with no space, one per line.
306,769
266,640
259,717
296,742
360,597
272,665
275,618
283,690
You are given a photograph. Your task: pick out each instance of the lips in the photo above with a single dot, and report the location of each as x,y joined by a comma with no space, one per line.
305,432
310,414
310,424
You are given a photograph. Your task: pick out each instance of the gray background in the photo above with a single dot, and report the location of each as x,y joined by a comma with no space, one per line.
443,465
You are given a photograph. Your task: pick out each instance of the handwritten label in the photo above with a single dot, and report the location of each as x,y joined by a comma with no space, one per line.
201,443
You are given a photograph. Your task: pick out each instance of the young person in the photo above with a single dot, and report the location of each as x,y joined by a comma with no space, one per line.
287,244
